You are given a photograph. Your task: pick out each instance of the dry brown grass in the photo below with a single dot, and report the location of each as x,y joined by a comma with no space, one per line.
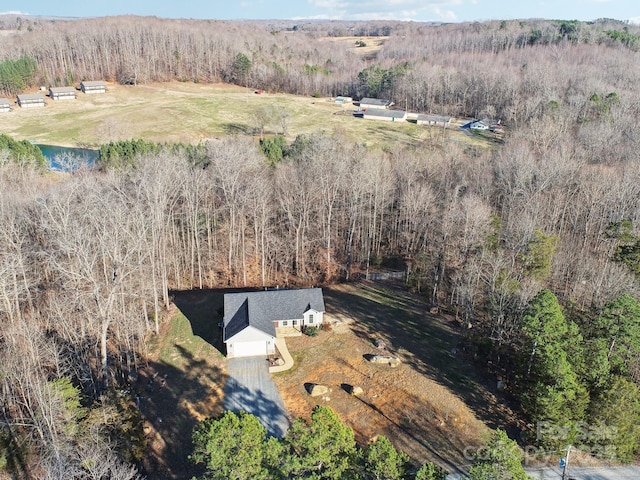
190,113
373,44
413,404
432,406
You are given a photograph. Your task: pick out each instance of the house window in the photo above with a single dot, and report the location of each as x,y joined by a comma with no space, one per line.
285,323
294,323
311,318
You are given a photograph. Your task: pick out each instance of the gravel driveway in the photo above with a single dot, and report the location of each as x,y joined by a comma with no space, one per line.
249,387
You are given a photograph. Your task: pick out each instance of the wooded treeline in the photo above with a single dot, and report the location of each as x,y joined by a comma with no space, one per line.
88,258
518,67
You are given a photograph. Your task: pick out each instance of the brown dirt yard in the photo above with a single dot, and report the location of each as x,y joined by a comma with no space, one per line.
432,406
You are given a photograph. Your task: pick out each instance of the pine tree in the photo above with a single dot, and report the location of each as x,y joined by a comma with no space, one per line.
322,448
235,447
551,390
501,459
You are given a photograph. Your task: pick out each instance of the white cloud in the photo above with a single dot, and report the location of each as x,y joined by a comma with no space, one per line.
635,20
14,12
420,10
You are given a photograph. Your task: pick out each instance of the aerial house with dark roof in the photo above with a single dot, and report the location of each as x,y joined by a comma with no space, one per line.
62,93
93,86
30,100
385,115
252,319
435,120
369,103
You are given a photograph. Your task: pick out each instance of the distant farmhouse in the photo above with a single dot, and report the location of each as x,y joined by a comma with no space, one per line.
31,100
95,86
62,93
485,124
5,106
478,125
368,103
342,100
435,120
252,320
383,114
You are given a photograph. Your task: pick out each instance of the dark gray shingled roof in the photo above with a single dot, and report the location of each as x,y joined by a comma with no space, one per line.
434,118
375,101
261,309
93,83
62,90
375,112
30,97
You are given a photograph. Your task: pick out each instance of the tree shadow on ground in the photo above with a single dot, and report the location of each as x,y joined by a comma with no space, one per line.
172,401
406,428
205,310
256,402
235,128
425,341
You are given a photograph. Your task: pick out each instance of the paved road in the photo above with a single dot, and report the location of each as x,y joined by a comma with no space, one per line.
250,388
578,473
583,473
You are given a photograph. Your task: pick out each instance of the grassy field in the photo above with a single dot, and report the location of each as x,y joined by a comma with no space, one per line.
190,113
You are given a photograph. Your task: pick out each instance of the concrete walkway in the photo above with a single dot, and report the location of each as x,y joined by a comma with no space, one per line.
281,345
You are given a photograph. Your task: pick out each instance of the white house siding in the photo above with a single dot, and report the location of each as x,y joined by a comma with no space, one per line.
250,342
91,87
248,349
312,317
64,97
30,100
91,91
288,323
479,126
62,93
32,104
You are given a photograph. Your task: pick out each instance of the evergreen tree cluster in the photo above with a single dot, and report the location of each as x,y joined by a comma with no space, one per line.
16,75
236,446
125,153
577,376
21,152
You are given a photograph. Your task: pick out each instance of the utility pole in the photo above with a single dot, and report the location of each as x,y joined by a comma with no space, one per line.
566,464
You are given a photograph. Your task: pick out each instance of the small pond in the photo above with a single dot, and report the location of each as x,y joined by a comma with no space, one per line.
68,158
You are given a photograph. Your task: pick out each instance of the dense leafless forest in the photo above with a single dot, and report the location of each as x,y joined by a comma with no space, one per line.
87,259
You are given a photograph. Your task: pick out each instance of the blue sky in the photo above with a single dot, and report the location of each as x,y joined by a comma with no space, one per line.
418,10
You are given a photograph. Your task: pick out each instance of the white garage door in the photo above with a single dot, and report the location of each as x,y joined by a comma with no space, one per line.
249,349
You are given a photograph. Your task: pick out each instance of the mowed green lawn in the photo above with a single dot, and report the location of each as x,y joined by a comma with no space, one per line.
191,113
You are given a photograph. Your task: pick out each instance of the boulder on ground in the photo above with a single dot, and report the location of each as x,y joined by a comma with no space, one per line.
356,391
379,343
385,359
316,390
